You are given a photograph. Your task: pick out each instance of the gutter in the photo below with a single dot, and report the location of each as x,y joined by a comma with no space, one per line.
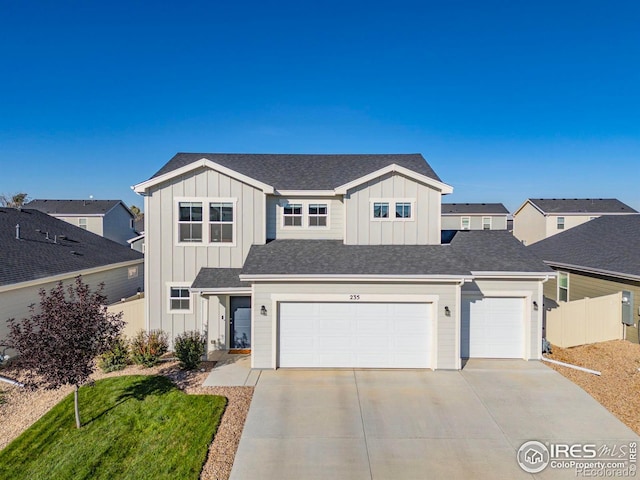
356,278
597,271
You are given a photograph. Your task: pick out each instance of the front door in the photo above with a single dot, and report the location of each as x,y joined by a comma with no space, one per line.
240,323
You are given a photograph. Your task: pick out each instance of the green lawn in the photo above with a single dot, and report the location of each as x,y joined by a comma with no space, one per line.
134,427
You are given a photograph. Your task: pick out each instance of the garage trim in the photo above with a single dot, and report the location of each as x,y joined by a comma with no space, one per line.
525,295
276,299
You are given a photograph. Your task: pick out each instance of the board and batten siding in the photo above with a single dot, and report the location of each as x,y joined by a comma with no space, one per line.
15,303
530,290
583,285
444,327
168,263
422,229
276,230
454,222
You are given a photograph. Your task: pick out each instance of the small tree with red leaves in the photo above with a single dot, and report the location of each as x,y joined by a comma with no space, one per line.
59,341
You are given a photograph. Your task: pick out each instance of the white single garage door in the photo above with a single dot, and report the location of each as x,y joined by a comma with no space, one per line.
355,335
492,327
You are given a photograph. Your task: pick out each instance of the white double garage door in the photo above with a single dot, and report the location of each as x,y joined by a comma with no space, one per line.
392,335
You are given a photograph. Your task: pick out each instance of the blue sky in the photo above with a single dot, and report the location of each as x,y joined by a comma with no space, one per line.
505,99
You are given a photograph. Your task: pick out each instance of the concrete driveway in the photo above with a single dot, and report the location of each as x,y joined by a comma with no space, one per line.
410,424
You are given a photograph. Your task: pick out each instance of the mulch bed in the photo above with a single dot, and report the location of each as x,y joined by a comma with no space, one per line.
618,388
20,408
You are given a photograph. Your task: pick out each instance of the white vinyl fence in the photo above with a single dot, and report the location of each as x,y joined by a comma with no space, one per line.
585,321
133,314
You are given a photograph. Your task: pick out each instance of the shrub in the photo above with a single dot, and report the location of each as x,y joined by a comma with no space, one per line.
115,358
189,348
148,347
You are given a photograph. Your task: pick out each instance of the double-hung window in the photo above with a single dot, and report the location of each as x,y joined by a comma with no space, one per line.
403,210
221,222
560,223
318,215
465,223
190,221
292,215
82,223
563,287
486,223
179,299
380,210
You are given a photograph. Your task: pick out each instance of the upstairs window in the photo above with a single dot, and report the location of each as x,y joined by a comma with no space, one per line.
563,287
486,223
292,215
380,210
403,210
318,215
560,223
221,222
82,223
190,222
465,223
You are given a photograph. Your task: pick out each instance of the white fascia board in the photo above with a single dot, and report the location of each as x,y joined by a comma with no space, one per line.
356,278
68,275
481,274
202,163
131,240
598,271
474,214
442,187
306,193
80,215
587,214
221,291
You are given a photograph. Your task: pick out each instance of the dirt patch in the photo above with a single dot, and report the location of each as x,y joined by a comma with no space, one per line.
20,408
618,388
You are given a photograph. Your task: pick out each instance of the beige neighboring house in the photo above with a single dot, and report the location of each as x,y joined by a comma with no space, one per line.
110,219
331,261
39,250
474,216
540,218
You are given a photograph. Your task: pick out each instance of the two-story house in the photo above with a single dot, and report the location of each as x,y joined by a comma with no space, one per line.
540,218
474,216
110,219
331,261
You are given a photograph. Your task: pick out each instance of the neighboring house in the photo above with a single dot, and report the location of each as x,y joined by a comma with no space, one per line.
110,219
137,242
598,258
331,261
39,250
474,216
539,218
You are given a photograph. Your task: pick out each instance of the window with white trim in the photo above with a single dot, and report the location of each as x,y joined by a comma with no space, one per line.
563,287
465,223
403,210
486,223
318,213
380,209
560,223
292,215
179,299
82,223
221,222
190,222
132,272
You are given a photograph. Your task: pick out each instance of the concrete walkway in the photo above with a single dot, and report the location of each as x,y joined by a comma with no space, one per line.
411,424
232,371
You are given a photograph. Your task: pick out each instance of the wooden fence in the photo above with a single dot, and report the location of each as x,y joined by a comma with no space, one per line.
585,321
133,314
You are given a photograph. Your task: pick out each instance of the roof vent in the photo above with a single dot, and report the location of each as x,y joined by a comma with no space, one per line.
18,231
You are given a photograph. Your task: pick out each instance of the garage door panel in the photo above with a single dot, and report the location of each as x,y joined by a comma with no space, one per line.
366,335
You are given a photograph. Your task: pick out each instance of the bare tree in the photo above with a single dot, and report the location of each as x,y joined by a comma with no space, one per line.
58,343
13,201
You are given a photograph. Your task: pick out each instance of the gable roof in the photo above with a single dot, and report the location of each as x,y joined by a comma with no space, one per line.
469,252
68,248
609,245
302,171
579,205
218,279
75,207
474,208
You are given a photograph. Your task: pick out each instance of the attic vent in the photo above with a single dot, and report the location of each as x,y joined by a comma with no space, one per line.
73,252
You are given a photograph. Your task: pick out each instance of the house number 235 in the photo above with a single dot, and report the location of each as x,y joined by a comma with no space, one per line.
354,297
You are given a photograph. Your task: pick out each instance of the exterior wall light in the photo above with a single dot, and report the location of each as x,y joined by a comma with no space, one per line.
535,305
263,310
447,312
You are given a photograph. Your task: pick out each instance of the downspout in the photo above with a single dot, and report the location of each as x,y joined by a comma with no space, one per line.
541,307
11,382
459,321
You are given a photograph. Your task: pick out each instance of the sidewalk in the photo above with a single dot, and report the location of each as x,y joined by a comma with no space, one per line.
231,370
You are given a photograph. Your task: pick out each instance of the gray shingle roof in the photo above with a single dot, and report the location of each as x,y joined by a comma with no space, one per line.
219,278
581,205
34,257
480,208
608,244
73,207
499,251
304,172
